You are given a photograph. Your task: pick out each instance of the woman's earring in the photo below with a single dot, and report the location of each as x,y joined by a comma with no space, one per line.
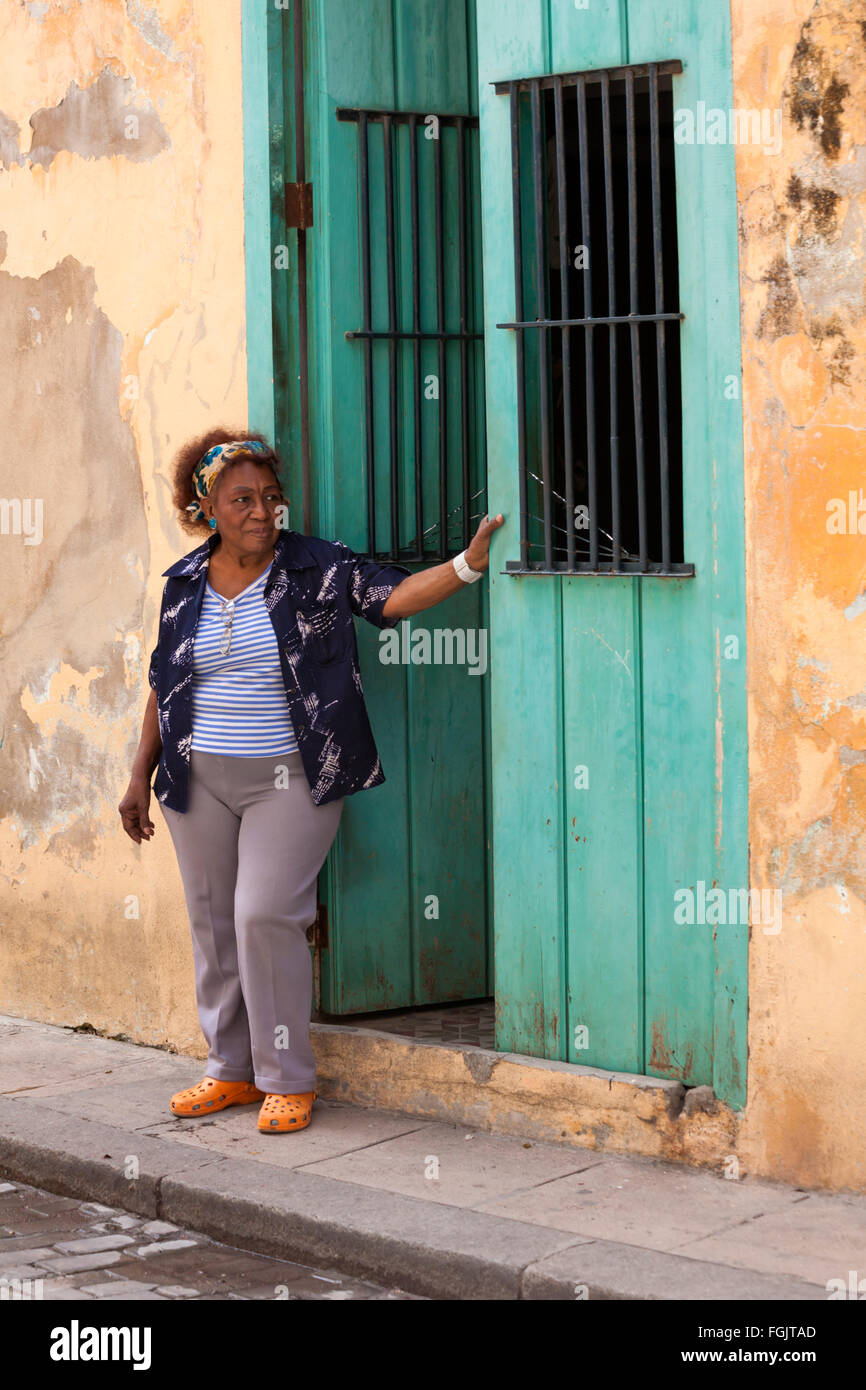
212,523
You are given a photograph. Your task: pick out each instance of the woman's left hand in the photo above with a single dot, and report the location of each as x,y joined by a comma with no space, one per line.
478,550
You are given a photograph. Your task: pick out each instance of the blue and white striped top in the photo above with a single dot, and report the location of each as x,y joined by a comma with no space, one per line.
239,704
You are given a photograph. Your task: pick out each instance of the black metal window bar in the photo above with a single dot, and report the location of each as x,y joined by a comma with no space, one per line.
598,387
418,203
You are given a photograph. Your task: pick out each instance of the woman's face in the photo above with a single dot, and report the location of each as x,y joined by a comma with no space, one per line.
244,504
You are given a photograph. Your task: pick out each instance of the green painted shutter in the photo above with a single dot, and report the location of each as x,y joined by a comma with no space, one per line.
407,888
623,675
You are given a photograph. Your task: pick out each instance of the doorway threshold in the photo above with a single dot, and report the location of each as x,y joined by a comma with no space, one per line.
375,1061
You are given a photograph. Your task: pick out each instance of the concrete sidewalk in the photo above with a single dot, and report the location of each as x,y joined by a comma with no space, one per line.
443,1210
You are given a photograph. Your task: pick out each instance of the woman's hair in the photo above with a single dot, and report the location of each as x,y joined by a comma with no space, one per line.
191,453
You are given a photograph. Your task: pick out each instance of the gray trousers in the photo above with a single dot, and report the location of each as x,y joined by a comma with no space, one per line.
250,846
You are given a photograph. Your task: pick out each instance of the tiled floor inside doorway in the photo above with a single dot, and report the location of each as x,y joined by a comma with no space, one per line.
471,1024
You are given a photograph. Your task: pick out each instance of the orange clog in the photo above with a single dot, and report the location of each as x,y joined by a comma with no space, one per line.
281,1113
210,1095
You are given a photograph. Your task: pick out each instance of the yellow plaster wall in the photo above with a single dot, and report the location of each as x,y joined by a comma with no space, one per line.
122,332
801,214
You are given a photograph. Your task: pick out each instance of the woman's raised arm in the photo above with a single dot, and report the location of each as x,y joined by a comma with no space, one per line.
431,586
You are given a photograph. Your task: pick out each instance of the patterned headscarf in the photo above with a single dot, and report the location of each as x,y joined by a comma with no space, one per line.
211,464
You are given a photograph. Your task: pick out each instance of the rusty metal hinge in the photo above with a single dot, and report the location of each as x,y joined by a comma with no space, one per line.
317,932
299,205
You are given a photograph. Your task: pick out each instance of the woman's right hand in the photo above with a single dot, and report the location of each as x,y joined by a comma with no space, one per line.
134,809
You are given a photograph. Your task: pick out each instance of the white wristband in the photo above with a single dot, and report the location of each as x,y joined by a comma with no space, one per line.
463,570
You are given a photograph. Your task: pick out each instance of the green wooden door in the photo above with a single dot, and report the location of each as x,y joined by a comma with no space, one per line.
406,883
638,680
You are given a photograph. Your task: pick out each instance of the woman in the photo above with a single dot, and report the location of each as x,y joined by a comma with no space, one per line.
257,726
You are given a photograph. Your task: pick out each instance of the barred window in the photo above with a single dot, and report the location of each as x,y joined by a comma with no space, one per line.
420,311
597,320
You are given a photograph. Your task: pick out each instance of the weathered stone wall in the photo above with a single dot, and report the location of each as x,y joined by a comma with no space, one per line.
122,331
802,265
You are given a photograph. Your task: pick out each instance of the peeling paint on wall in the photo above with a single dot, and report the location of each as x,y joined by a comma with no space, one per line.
106,118
148,24
804,397
63,703
121,332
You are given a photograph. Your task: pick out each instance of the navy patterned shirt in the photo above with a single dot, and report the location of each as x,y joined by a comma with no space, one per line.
315,589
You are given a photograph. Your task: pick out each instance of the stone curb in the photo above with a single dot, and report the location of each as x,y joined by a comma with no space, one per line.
426,1248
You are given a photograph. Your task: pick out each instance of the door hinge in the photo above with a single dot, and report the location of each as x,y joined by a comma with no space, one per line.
299,205
317,932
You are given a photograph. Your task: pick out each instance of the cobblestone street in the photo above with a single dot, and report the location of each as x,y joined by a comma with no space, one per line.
62,1248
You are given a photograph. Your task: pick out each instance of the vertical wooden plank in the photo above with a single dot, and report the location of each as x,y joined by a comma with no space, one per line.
527,761
525,711
373,917
479,445
447,796
678,820
601,678
368,964
694,698
489,818
479,505
603,809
